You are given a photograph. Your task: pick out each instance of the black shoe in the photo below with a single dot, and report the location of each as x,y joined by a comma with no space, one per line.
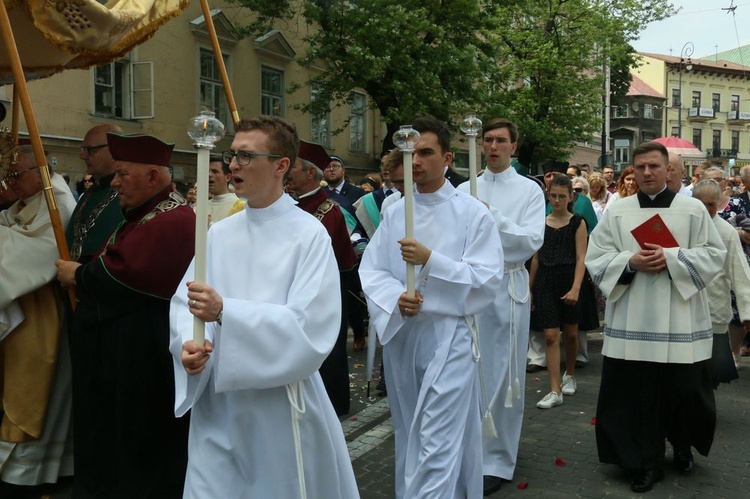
381,387
491,484
683,461
533,368
644,480
581,364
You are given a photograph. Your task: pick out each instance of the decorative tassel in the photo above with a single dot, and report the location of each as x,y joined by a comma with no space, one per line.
509,397
517,388
488,425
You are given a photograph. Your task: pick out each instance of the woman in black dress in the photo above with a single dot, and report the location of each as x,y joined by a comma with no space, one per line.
556,275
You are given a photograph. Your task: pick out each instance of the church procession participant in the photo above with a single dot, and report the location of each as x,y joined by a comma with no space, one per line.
98,211
123,399
428,346
517,206
656,381
223,202
261,422
304,179
734,276
35,430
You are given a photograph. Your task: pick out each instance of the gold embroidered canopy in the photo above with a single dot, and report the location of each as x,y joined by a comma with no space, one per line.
53,35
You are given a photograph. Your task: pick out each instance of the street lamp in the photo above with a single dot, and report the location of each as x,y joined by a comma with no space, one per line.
687,51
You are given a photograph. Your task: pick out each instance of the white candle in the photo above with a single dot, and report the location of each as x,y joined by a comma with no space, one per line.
473,165
201,230
409,217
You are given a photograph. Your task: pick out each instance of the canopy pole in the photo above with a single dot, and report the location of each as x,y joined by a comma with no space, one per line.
220,61
22,91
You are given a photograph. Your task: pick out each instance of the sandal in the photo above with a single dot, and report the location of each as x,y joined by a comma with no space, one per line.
745,351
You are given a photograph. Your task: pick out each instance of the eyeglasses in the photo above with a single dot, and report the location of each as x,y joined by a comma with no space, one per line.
557,196
13,176
578,189
332,167
88,181
397,182
90,150
243,157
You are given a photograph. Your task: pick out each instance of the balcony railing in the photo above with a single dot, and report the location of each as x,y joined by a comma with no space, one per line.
721,153
739,116
701,114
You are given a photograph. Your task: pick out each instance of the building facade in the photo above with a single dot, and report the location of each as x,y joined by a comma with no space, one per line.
165,81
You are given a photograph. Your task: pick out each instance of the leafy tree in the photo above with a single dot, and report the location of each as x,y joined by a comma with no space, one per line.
538,62
551,54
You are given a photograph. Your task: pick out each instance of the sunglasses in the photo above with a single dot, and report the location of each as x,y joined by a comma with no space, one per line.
578,189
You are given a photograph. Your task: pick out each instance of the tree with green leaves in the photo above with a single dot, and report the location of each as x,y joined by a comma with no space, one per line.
539,63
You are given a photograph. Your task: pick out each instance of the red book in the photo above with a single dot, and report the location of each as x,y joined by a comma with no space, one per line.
654,231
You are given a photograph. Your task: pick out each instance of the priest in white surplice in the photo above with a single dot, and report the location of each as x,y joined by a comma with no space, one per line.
262,424
36,439
428,346
517,206
656,380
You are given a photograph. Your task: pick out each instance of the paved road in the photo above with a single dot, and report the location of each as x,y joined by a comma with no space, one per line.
557,456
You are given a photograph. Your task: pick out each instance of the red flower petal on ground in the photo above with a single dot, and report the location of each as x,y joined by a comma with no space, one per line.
593,420
560,462
354,418
523,485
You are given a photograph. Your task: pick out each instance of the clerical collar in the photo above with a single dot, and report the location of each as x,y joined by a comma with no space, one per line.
663,199
491,176
307,195
440,195
282,205
221,197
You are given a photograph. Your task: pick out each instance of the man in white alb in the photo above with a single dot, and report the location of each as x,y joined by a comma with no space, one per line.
223,202
517,206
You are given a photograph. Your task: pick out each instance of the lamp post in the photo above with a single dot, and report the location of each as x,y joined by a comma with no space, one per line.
687,51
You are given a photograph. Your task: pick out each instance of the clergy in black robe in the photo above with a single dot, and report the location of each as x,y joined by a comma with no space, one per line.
128,442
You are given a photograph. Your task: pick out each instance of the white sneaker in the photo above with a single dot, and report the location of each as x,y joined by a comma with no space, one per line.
550,400
569,385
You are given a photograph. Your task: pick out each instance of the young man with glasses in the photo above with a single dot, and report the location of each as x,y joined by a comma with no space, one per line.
261,422
335,175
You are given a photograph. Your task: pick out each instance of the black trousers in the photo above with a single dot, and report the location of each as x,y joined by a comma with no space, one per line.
643,403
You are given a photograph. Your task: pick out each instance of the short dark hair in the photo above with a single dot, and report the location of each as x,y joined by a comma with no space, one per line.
577,169
502,123
652,146
218,158
282,135
430,124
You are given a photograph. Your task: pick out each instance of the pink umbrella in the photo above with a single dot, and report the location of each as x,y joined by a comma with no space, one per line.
681,147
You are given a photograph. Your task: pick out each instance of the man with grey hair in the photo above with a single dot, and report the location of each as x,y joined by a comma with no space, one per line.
36,444
304,179
674,180
734,276
739,206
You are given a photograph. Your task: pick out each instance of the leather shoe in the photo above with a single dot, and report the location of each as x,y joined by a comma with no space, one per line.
644,480
533,368
358,345
683,461
491,484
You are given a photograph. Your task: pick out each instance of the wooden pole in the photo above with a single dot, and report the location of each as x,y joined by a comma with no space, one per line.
19,86
220,60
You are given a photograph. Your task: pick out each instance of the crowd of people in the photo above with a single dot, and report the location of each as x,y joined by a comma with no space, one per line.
99,360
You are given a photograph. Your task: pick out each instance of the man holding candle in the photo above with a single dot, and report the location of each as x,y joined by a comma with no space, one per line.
261,422
517,206
127,440
429,348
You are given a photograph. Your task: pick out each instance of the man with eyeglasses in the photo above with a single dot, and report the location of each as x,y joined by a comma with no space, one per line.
123,386
36,428
335,175
261,422
223,202
98,211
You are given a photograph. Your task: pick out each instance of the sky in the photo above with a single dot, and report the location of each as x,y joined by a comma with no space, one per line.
702,22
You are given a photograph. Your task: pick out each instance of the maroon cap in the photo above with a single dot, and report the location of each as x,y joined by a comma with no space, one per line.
314,153
143,149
